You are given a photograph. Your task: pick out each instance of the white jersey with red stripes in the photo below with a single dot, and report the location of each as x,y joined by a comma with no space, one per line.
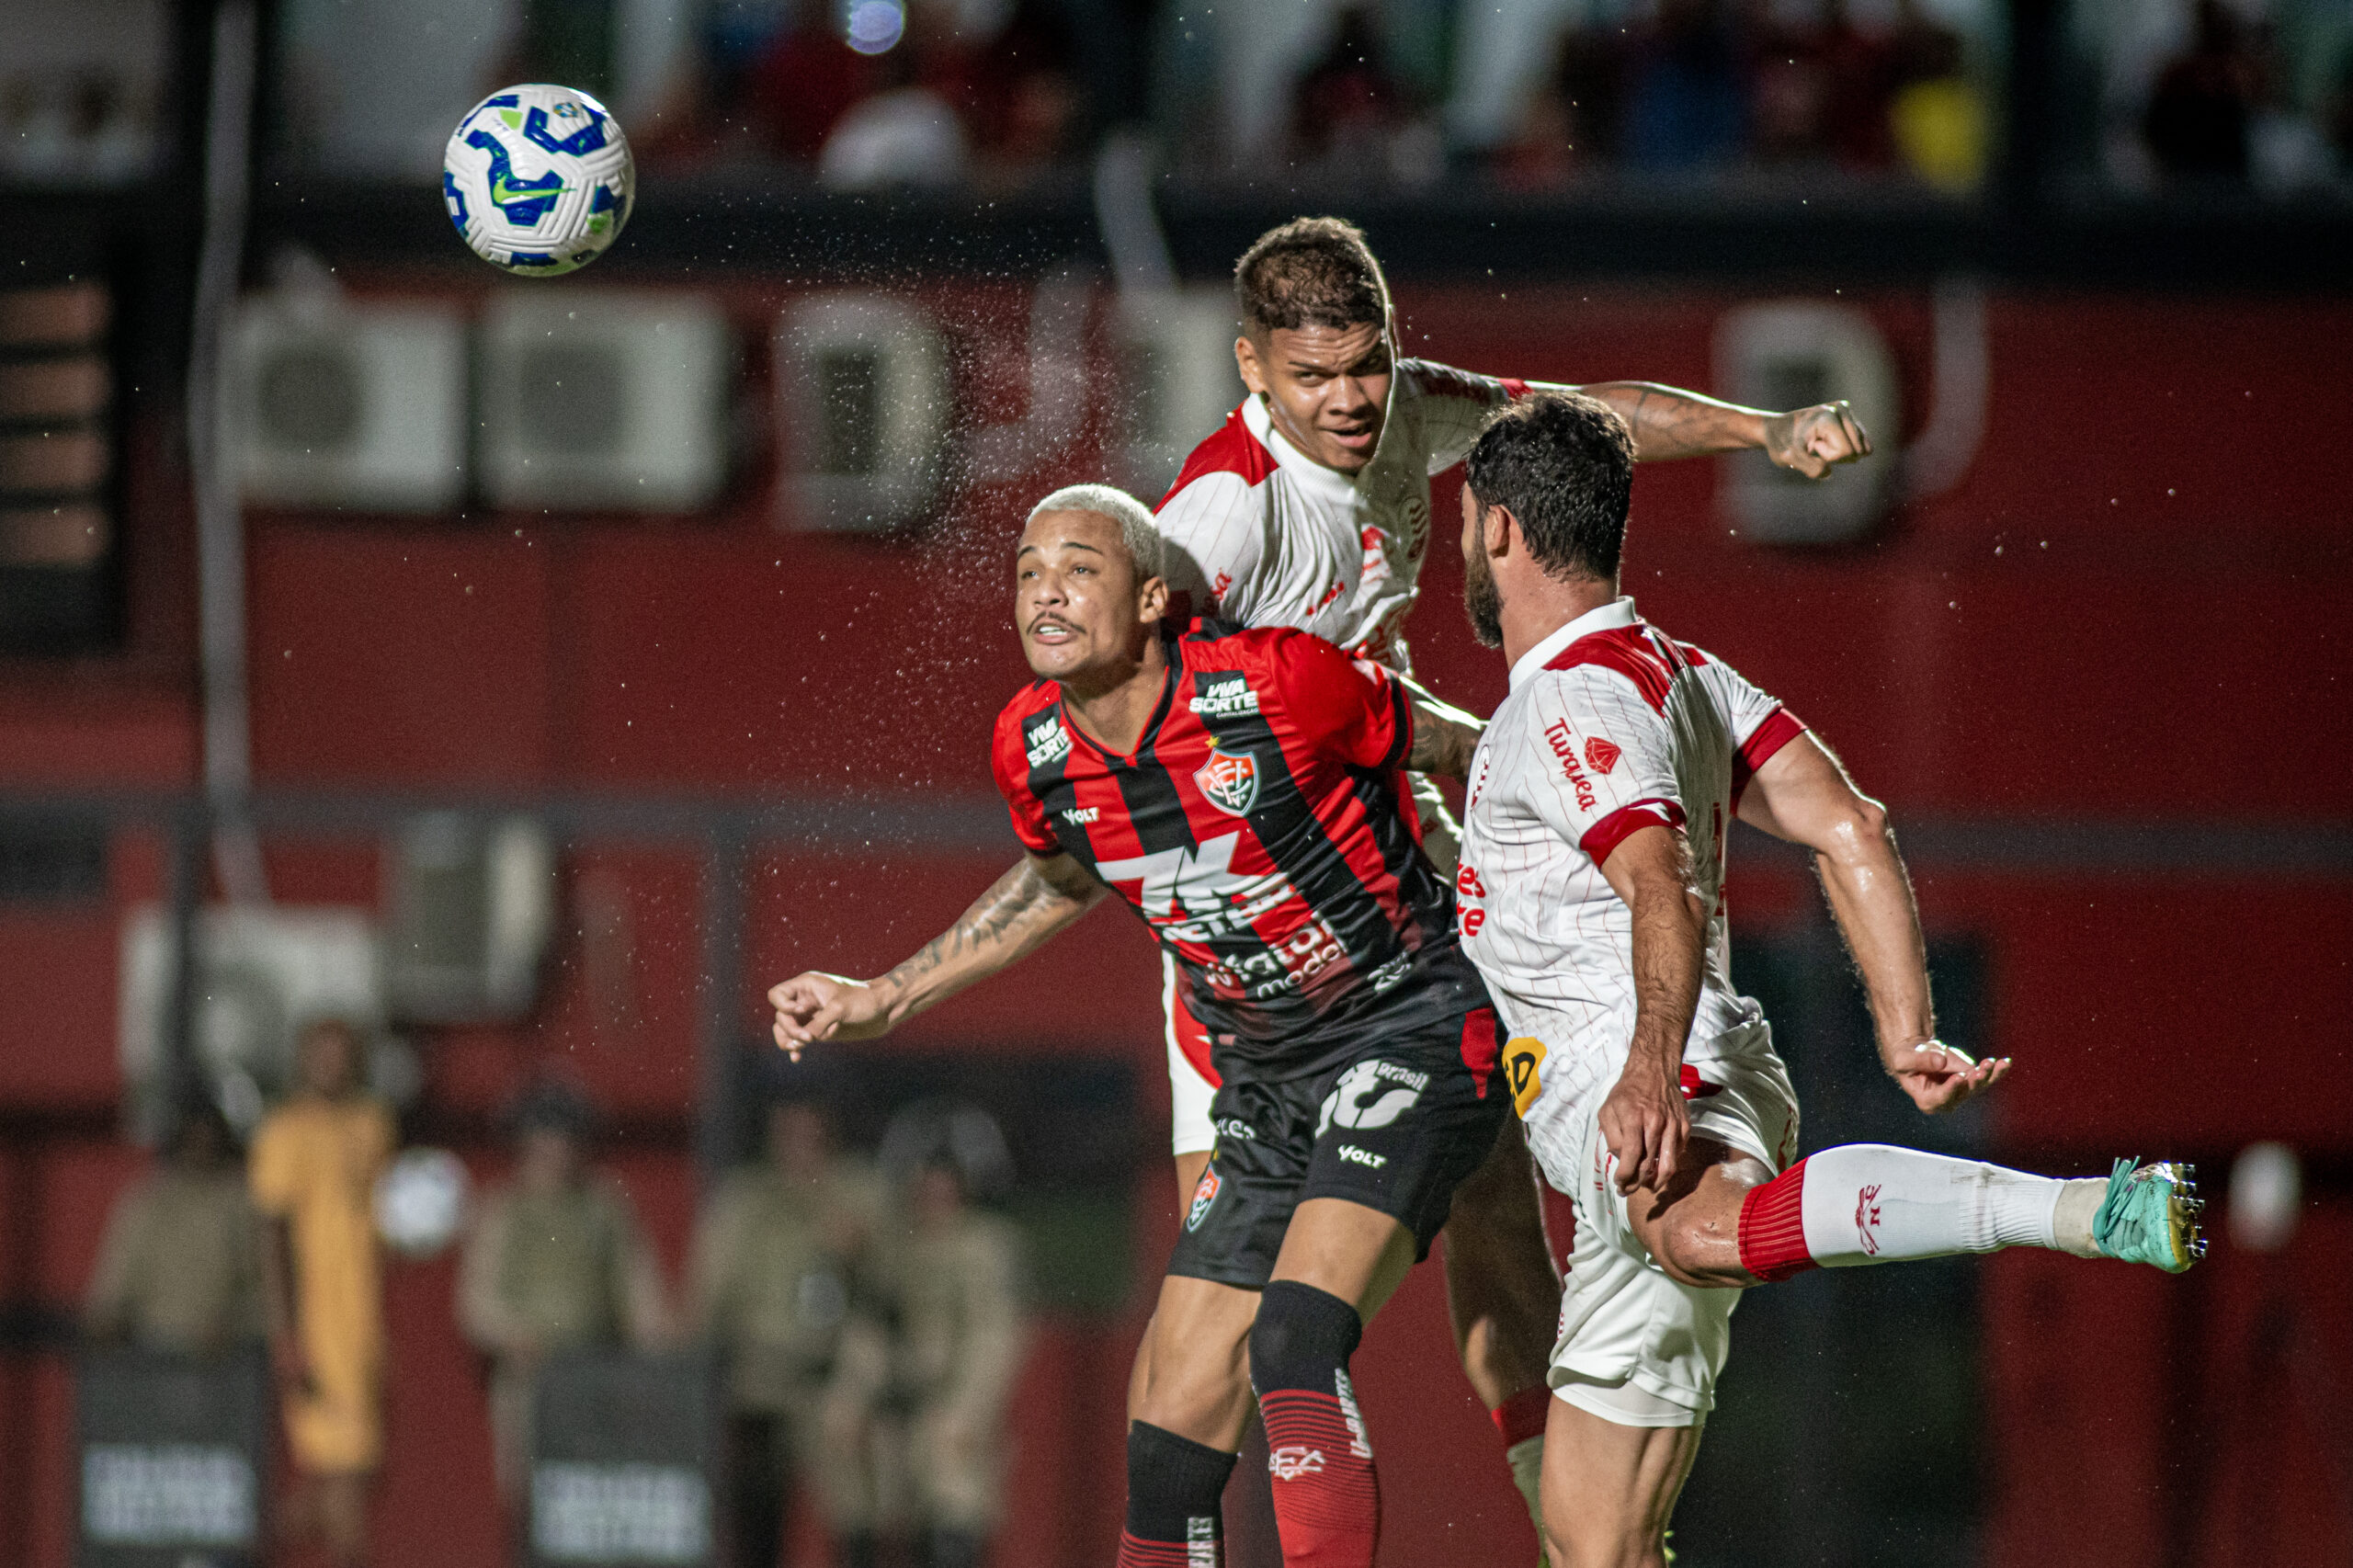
1611,726
1262,534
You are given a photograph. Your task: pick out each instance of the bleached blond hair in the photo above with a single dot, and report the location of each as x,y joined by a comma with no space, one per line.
1137,530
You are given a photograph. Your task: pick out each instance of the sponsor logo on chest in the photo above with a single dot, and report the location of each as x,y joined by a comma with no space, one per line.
1047,741
1224,696
1229,780
1564,743
1082,815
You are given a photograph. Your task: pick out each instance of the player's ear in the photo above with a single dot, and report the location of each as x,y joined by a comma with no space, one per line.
1152,599
1246,359
1496,526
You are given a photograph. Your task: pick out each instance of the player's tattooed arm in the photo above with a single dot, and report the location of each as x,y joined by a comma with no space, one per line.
1444,735
1037,897
1670,423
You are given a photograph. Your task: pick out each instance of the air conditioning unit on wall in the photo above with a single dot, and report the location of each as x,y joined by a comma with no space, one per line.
262,975
863,396
604,402
1793,354
334,402
471,905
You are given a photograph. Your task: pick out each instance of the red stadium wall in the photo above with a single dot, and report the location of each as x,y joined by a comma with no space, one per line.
2128,611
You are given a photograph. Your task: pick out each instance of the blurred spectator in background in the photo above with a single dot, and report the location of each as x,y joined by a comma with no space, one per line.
1352,122
180,1267
313,1170
2195,124
802,78
1938,117
1686,97
556,1261
1021,91
1572,124
928,1361
775,1258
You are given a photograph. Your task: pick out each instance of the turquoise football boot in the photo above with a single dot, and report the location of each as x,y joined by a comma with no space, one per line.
2150,1215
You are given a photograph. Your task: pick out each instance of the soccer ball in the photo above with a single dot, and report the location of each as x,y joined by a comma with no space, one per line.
538,179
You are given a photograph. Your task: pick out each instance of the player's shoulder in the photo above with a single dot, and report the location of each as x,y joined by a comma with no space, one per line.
1210,641
1636,656
1230,464
1277,658
1212,636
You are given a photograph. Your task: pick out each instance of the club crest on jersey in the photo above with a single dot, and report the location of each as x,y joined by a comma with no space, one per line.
1204,1195
1230,780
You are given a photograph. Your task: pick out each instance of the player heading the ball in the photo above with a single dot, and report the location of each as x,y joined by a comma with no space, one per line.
1241,789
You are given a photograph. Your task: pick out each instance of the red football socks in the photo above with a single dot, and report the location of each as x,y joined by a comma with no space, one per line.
1327,1498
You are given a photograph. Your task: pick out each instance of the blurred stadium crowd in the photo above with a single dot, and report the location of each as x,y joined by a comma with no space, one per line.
1000,95
864,1316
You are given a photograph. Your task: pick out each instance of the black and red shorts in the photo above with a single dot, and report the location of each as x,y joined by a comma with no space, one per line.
1396,1127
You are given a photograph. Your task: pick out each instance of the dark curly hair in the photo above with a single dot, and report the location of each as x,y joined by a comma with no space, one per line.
1564,464
1310,272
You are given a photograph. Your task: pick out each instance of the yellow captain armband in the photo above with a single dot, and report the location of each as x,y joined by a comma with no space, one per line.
1522,1058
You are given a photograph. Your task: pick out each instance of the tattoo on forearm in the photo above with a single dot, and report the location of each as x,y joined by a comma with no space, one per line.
1445,737
1669,423
1441,746
1021,905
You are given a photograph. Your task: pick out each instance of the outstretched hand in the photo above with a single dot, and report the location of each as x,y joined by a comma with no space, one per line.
1645,1125
817,1006
1813,440
1937,1077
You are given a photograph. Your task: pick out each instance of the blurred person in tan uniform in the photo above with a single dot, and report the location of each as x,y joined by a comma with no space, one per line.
313,1168
179,1269
928,1361
555,1261
775,1258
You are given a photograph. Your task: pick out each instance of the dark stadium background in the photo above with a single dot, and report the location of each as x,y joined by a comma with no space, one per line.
2102,681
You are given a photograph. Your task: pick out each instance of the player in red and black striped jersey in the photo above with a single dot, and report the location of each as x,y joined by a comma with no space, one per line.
1257,828
1244,791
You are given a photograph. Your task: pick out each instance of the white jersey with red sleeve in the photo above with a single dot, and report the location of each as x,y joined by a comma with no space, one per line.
1262,534
1611,726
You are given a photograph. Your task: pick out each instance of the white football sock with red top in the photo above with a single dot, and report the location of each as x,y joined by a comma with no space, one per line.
1864,1203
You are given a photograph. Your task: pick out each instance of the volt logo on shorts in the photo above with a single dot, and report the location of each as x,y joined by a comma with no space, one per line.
1204,1193
1294,1460
1523,1059
1355,1155
1362,1098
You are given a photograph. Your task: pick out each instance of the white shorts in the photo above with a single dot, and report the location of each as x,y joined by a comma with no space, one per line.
1189,1090
1636,1347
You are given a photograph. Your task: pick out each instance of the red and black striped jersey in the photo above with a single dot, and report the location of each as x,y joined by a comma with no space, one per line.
1262,829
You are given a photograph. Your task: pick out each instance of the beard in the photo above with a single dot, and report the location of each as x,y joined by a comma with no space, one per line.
1481,601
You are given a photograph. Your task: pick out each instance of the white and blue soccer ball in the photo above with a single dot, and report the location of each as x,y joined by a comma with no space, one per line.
539,179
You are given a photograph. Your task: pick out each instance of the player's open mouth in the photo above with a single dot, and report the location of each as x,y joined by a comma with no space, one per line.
1357,440
1052,632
